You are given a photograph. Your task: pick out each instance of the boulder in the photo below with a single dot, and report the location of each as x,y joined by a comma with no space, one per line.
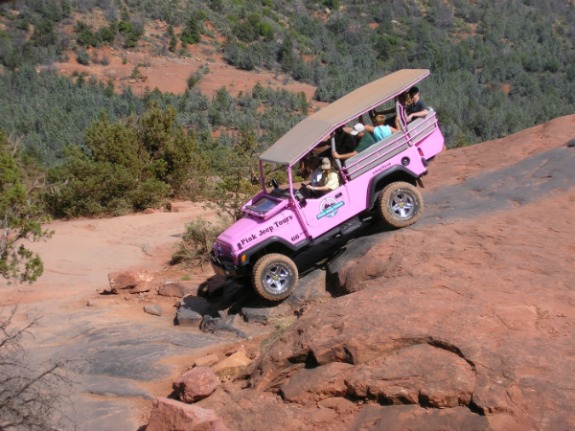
346,272
228,324
187,317
172,415
153,309
174,289
232,366
130,281
418,374
178,289
122,280
196,384
192,310
266,314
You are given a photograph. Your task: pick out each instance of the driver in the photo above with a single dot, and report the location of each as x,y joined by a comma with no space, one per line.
329,180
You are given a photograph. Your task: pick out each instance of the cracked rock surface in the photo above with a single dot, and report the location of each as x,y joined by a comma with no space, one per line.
463,321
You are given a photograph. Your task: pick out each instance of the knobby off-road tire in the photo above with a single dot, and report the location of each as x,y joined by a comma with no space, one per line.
400,204
275,276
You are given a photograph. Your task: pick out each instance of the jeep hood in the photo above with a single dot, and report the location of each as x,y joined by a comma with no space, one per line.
242,233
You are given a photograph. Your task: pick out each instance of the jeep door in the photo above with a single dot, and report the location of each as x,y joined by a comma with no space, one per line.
328,211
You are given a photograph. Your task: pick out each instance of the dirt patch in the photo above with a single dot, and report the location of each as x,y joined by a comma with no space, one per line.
151,66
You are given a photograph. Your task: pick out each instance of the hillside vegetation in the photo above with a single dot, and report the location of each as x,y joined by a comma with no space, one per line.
497,67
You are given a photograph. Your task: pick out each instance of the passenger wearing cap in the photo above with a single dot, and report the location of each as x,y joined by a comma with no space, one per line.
329,180
364,140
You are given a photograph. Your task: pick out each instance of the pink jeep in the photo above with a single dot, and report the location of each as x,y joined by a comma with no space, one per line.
279,223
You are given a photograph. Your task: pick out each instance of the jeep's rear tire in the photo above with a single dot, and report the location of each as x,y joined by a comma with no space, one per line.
400,204
275,276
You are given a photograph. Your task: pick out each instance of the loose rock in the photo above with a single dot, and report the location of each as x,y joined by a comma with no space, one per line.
171,415
196,384
154,309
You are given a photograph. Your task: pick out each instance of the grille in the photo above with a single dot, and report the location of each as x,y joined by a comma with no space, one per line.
223,249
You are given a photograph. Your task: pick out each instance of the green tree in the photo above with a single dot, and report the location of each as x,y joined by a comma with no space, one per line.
44,34
129,166
117,177
173,41
191,33
174,155
239,179
21,220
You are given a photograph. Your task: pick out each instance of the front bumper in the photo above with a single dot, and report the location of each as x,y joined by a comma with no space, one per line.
226,267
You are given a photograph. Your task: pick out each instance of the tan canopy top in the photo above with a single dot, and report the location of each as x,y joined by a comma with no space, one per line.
305,135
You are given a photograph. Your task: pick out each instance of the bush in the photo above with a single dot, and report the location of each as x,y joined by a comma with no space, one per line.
131,33
129,167
30,396
83,57
196,243
191,33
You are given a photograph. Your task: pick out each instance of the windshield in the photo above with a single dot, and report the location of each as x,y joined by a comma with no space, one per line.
263,205
275,178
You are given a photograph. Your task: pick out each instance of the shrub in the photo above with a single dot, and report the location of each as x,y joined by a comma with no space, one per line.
107,34
196,243
31,396
129,166
131,33
83,57
191,33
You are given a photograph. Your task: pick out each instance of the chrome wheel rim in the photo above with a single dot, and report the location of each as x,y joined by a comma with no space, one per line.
402,204
277,278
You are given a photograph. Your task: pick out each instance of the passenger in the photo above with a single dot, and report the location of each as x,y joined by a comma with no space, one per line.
379,129
363,140
329,180
389,114
316,172
404,99
344,143
417,108
304,166
323,148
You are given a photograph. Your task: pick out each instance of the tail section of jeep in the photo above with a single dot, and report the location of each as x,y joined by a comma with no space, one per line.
279,223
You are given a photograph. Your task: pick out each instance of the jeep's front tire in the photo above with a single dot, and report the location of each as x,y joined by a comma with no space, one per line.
275,276
400,204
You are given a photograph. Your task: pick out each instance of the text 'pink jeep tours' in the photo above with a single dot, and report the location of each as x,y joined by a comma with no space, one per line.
279,224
